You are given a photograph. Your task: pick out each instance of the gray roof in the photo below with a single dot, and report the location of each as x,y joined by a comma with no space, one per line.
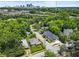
34,41
54,48
24,43
67,31
50,35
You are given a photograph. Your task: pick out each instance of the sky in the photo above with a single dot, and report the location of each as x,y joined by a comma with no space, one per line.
41,3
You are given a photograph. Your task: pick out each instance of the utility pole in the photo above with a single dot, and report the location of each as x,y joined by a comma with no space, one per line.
56,9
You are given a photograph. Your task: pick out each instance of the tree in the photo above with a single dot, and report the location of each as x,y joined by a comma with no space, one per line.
56,26
63,15
2,55
32,12
55,29
63,38
70,24
59,23
75,52
62,49
10,38
50,54
75,36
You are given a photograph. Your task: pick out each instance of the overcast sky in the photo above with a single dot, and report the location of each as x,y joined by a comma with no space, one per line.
41,3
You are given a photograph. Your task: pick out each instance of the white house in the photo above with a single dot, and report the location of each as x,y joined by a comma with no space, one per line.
24,43
67,32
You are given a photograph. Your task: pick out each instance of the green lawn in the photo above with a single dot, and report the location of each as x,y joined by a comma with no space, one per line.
37,48
50,41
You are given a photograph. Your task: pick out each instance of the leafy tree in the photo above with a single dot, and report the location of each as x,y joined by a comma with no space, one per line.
32,12
75,52
70,24
50,54
75,36
11,34
63,15
63,38
55,29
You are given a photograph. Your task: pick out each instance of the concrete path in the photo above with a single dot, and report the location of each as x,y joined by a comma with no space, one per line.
27,53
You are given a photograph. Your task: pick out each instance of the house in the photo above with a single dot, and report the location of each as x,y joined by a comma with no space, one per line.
56,46
24,43
54,49
24,11
70,45
34,41
50,35
5,10
67,31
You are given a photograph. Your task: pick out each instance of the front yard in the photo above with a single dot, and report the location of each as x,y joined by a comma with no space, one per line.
35,48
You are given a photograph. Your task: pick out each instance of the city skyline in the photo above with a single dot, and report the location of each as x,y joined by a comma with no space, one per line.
41,3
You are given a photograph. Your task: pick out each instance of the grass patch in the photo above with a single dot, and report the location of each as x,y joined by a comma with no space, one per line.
37,48
49,40
30,36
50,54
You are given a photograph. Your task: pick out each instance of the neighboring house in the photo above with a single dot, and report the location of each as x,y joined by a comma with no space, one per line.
50,35
56,46
24,11
34,41
5,10
54,49
67,31
12,11
70,45
24,43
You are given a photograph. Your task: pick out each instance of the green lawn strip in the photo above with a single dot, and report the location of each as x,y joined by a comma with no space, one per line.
38,52
27,39
37,48
49,40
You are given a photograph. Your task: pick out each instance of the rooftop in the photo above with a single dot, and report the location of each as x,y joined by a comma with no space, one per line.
50,35
67,31
34,41
24,43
